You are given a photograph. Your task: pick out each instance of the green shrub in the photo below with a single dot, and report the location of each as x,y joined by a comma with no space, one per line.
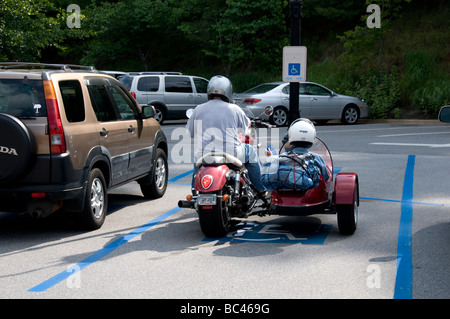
424,85
381,93
431,98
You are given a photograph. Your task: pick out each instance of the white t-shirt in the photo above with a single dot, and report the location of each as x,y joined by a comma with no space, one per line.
215,126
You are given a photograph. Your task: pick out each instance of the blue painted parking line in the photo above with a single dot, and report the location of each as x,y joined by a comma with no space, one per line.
101,253
400,201
404,278
109,248
174,179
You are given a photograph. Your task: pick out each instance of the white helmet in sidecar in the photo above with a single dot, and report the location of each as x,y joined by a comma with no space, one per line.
302,133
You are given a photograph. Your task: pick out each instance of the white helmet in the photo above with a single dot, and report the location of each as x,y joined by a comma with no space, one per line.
220,86
302,131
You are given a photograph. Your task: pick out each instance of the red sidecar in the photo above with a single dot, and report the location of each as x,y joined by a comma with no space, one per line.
338,195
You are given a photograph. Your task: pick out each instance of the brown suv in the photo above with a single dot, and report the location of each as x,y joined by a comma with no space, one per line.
69,133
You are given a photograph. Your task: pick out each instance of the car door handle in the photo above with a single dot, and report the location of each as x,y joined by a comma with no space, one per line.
313,99
131,129
104,132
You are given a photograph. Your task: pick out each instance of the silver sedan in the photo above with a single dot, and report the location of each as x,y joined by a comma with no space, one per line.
317,103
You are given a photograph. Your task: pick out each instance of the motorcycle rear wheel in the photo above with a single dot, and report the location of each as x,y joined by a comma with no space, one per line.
215,221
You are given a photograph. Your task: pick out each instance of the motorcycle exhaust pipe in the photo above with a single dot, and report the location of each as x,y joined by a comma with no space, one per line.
186,204
237,183
245,199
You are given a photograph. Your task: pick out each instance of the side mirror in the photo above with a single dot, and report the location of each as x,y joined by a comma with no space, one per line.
268,110
148,111
444,114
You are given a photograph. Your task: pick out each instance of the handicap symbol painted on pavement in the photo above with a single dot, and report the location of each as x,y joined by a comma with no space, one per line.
294,69
274,233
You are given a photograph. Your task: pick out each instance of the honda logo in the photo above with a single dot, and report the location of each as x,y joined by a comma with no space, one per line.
7,150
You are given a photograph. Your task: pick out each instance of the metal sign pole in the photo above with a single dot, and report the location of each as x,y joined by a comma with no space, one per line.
294,87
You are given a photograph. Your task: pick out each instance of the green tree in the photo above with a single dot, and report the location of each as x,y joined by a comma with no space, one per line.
237,33
29,27
132,34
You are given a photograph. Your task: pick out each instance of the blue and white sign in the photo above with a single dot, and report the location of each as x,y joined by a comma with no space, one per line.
294,64
294,69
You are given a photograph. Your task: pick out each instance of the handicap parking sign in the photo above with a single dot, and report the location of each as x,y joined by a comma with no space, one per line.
275,233
294,63
294,69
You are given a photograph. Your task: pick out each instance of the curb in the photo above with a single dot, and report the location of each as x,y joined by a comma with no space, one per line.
361,121
402,121
394,122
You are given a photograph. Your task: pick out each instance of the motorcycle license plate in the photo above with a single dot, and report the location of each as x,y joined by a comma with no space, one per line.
206,199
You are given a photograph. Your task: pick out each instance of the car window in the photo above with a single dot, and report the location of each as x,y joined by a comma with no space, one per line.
201,85
72,96
126,80
103,108
22,97
302,89
178,84
262,88
124,105
148,83
317,90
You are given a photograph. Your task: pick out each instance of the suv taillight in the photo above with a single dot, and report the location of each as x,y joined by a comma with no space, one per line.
55,129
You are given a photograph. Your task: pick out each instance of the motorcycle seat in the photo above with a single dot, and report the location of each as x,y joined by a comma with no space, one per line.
212,159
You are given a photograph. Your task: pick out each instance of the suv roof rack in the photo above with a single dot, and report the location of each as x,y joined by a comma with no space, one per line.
155,72
64,67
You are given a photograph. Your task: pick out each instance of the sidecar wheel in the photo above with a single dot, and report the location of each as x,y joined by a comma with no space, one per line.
216,221
347,216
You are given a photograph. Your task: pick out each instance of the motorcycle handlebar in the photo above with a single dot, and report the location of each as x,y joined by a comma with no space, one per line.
261,124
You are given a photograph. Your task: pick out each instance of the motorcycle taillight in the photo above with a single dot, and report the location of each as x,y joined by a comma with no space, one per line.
207,181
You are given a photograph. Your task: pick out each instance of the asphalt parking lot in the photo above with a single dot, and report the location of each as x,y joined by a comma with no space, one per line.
156,250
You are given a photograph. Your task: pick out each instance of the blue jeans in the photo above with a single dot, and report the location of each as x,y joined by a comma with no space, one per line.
250,159
251,162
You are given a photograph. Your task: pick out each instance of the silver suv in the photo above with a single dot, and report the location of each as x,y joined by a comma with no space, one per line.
171,93
67,135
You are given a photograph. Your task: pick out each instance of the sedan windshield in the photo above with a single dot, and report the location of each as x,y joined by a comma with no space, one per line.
262,88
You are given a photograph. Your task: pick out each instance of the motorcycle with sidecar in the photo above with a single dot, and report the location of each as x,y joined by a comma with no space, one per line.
223,193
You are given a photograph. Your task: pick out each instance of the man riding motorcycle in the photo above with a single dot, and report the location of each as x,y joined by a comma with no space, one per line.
216,125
